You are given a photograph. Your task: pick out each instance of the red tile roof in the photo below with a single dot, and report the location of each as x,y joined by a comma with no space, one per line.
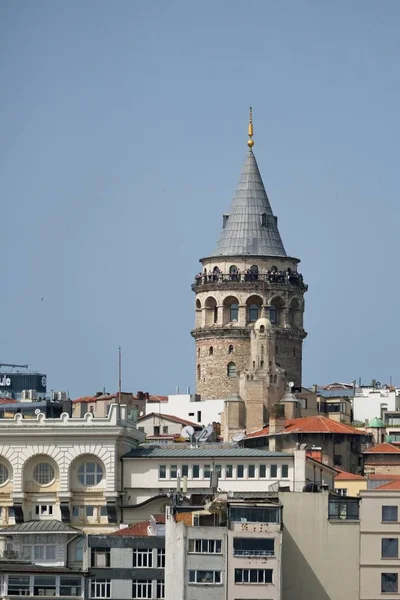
345,476
384,448
171,418
377,476
393,485
157,398
7,401
316,424
159,519
139,529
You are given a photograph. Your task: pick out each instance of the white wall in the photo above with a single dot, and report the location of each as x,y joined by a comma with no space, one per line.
367,402
183,406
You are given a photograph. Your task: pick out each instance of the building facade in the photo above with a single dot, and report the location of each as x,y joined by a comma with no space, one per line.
248,276
232,549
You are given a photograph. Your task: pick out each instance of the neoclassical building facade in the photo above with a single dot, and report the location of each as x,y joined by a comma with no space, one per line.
247,277
65,469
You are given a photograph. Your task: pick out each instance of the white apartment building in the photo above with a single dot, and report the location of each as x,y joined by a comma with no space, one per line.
189,407
151,475
370,402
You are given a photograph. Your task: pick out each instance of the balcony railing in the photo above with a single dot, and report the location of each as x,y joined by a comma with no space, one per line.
288,278
269,553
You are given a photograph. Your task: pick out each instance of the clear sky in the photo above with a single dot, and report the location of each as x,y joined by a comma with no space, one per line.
122,135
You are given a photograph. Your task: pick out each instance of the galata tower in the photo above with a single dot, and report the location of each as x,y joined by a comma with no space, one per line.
248,276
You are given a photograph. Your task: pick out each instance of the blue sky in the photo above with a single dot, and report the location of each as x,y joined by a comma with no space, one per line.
122,136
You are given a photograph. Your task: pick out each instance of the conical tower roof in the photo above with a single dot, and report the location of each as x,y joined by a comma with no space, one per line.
251,227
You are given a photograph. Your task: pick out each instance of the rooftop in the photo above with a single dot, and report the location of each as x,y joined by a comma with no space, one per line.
42,527
251,228
393,485
384,448
170,418
206,451
140,529
346,476
316,424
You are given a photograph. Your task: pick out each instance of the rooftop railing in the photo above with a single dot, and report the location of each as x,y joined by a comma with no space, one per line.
274,277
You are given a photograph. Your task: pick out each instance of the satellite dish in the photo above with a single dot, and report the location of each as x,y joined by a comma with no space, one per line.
238,437
290,384
205,434
187,432
37,411
303,446
141,413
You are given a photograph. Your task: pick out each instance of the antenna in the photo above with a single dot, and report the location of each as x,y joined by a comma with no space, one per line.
119,382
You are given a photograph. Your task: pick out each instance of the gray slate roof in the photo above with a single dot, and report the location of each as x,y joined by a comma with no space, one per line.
204,452
244,232
51,526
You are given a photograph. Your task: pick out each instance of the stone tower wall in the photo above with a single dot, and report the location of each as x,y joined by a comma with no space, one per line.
214,381
289,355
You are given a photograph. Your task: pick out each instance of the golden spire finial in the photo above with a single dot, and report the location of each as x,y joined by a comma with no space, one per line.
250,141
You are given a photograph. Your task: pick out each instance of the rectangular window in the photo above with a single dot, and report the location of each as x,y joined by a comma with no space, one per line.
262,471
254,514
211,577
390,514
196,471
162,472
285,471
173,471
218,470
103,511
274,471
229,471
199,416
240,471
45,510
389,583
70,586
89,511
185,470
251,473
160,589
141,588
341,491
207,471
44,585
258,576
390,548
143,558
100,557
343,508
205,546
165,429
337,459
100,588
19,585
75,511
161,558
253,546
26,552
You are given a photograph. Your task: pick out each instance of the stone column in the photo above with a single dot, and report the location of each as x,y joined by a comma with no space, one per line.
242,315
285,317
220,319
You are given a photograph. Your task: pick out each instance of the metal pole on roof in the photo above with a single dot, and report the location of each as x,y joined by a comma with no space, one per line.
119,382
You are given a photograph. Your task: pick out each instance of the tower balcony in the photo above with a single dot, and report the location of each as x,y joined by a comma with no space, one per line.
252,281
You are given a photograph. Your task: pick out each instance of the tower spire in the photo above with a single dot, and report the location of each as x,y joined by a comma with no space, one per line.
250,141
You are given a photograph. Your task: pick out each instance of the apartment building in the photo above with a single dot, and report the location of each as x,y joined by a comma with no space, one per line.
149,484
129,563
229,549
379,542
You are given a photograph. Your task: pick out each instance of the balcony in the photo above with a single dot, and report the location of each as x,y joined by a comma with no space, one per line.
239,280
254,553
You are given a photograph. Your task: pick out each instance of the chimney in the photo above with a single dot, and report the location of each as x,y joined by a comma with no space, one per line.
276,418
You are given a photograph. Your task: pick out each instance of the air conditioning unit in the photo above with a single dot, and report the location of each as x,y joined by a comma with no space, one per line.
59,396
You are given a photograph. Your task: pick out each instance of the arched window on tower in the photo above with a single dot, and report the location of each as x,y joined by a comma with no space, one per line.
211,351
231,369
230,349
215,316
198,372
264,219
272,313
262,329
254,272
253,313
234,312
233,273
